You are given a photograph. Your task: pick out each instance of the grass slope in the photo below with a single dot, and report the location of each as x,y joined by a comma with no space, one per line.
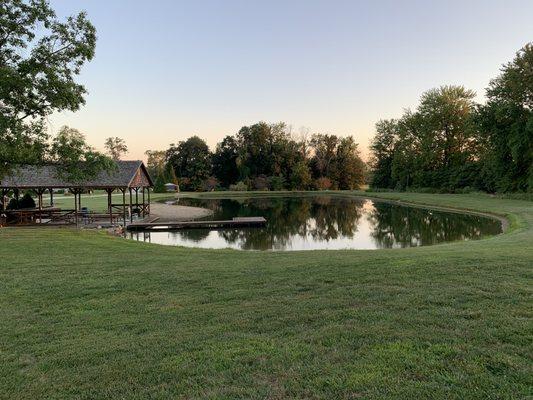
87,316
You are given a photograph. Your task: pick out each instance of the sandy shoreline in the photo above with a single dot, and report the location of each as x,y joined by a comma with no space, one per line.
177,213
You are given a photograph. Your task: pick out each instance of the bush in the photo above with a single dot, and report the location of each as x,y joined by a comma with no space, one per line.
277,182
323,183
13,204
260,182
239,187
210,184
27,201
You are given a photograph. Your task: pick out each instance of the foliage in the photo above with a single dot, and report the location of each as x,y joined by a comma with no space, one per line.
449,143
159,184
225,161
40,57
338,160
266,156
78,160
239,187
210,184
260,183
26,201
323,183
300,178
155,163
505,126
276,182
115,147
191,162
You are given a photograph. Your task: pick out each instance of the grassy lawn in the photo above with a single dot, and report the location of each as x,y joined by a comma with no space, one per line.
87,316
98,200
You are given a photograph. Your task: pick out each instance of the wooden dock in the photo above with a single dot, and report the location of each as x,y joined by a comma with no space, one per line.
237,222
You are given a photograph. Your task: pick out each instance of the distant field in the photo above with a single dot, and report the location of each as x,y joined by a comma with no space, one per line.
89,316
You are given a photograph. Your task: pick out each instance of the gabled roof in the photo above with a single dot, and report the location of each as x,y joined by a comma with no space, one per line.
127,174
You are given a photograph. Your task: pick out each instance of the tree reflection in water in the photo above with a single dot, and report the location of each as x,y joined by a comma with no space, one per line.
399,226
307,222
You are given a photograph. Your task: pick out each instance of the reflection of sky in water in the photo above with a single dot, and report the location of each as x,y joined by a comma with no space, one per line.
368,225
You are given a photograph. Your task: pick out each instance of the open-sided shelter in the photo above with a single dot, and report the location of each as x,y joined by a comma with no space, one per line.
130,178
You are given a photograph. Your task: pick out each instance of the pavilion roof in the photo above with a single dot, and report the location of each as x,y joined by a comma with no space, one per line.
127,174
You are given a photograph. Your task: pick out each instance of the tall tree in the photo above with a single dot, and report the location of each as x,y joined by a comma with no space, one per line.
156,162
225,158
506,126
382,147
40,57
115,147
191,162
79,160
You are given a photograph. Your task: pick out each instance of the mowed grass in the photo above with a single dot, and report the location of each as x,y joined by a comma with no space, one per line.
87,316
98,200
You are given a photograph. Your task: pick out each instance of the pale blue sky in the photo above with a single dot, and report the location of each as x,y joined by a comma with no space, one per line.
165,70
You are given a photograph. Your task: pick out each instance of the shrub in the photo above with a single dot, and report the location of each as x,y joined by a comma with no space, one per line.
26,201
13,204
210,184
277,182
239,187
260,182
323,183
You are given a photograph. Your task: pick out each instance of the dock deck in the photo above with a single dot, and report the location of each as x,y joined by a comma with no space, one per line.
237,222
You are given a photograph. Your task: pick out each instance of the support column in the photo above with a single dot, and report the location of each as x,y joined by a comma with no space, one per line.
124,205
40,193
131,208
148,201
51,197
75,205
144,205
109,206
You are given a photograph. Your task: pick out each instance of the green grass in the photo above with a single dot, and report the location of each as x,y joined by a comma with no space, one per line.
98,200
88,316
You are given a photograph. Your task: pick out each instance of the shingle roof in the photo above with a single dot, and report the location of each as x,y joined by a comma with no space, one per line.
127,174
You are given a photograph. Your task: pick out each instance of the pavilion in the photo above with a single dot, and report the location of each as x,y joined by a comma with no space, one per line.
130,177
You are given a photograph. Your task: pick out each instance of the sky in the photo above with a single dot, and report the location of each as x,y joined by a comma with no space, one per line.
165,70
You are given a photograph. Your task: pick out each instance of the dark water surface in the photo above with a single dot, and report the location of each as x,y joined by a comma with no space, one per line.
325,222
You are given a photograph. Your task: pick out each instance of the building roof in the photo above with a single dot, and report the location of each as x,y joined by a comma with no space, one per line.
127,174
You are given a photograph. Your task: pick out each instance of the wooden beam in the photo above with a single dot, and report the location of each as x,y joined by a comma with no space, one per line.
124,205
131,209
148,201
109,207
144,205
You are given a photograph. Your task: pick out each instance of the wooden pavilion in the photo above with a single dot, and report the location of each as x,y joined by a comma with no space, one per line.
129,178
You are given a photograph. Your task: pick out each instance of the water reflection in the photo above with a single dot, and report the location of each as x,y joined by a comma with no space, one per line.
325,222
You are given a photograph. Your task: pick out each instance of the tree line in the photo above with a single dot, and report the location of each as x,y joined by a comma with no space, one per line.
451,143
261,156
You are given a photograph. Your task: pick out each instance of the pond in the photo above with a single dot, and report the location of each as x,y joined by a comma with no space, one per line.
325,222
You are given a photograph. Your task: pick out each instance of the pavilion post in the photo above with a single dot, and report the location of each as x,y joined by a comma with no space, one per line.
109,205
124,205
148,201
75,205
51,197
144,205
131,208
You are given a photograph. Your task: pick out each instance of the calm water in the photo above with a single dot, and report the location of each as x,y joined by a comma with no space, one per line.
324,222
